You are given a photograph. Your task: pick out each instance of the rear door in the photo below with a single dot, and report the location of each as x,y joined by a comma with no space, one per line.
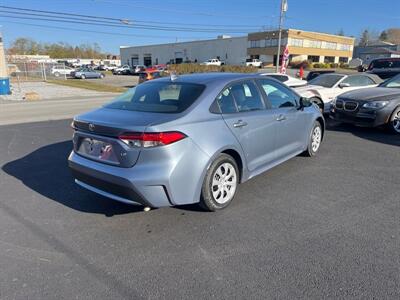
244,112
291,123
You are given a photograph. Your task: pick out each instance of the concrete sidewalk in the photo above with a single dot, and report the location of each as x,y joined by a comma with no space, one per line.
52,109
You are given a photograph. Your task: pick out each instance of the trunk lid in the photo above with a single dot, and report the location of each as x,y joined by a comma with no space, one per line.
96,134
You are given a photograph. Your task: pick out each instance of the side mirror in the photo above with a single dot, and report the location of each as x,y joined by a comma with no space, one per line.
344,85
304,102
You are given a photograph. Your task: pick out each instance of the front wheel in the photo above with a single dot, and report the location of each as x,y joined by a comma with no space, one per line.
394,123
83,77
101,76
220,183
315,140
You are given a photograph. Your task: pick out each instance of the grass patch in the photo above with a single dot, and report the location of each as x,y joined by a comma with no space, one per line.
196,68
84,84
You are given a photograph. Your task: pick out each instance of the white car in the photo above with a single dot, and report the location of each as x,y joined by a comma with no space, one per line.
326,87
254,63
110,67
139,68
122,69
213,62
286,79
57,71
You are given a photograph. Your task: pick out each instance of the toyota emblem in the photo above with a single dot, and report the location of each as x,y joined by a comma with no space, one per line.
91,127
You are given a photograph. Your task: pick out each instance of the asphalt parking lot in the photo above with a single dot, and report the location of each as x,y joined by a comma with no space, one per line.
326,227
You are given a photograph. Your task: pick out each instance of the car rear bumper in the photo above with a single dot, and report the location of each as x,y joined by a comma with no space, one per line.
152,181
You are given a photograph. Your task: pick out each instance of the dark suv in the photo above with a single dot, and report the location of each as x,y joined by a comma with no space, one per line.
385,67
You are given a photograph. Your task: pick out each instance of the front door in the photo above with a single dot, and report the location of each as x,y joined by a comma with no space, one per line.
291,122
254,127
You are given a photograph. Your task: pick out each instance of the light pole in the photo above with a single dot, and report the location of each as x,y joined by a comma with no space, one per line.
284,7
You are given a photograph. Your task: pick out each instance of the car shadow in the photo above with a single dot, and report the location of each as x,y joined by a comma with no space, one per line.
46,172
379,135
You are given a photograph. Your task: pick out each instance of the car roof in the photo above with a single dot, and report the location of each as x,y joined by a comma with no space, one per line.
204,78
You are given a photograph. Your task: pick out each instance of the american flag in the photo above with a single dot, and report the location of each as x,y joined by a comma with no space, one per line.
285,59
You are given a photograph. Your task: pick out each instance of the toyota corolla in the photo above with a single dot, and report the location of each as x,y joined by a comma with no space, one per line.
191,139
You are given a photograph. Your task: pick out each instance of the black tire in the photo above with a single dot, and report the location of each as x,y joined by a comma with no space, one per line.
394,121
101,76
311,150
83,77
319,102
207,200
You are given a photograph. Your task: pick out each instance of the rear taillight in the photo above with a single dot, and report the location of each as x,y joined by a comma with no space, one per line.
151,139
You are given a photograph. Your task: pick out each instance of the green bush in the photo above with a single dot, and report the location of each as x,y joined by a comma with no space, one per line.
196,68
344,65
298,64
334,65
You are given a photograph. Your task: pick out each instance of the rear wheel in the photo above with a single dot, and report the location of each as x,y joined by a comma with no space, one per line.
57,74
394,123
101,75
220,183
315,140
83,77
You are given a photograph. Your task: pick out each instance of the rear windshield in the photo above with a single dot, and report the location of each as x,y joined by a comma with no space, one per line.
326,80
158,97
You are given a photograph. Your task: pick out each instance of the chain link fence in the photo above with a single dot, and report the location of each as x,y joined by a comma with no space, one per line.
38,71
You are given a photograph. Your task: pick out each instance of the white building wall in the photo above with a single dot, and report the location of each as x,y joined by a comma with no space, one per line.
232,50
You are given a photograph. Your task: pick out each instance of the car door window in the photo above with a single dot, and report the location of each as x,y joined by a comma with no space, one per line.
226,102
358,80
247,96
278,95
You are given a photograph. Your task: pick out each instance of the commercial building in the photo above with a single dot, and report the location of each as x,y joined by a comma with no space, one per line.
303,45
230,49
376,49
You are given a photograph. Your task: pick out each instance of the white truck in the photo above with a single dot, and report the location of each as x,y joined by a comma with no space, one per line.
213,62
254,62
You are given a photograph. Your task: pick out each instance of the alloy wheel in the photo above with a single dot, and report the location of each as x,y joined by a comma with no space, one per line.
224,183
316,139
396,122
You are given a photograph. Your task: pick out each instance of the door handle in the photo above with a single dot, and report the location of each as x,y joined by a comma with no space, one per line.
281,118
239,124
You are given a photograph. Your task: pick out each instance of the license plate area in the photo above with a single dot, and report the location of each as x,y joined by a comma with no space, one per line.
98,150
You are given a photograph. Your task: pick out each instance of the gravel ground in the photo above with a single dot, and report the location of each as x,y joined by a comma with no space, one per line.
47,91
312,228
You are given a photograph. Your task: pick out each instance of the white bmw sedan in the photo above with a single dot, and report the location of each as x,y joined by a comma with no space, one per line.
326,87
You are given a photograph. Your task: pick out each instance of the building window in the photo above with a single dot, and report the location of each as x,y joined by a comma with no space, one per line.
314,44
255,44
329,59
329,45
296,42
313,58
343,60
344,47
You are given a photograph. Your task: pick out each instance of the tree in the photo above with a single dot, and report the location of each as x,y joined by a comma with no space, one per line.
393,35
365,38
341,32
383,36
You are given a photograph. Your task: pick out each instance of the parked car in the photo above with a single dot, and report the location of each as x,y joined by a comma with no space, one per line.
385,67
191,139
84,73
149,75
254,63
139,68
213,62
314,74
57,71
13,70
286,79
324,88
123,70
110,67
100,68
370,107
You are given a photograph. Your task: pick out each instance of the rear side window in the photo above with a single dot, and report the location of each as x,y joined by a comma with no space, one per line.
158,97
358,80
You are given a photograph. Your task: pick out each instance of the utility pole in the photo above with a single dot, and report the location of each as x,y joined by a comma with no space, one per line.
281,16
